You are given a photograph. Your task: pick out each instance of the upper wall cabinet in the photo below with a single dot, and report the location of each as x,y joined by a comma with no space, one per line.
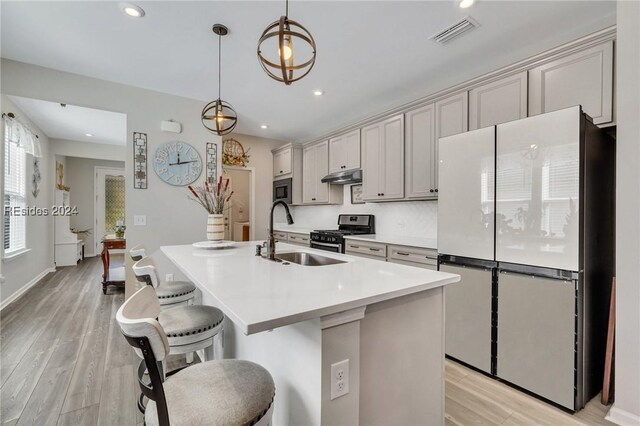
498,102
383,160
420,136
583,78
452,117
315,166
282,162
344,152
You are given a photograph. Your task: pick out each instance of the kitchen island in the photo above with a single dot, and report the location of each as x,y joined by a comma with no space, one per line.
387,320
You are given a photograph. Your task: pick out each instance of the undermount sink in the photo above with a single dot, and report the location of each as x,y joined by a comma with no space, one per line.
307,259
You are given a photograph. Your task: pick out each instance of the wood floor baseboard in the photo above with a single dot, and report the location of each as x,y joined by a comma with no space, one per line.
622,417
25,287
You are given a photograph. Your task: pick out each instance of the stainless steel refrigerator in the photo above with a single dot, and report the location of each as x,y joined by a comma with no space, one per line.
526,217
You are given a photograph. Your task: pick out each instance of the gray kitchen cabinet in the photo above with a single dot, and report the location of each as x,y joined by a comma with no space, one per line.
452,117
536,335
498,102
344,152
383,160
583,78
413,256
468,316
298,238
367,249
282,162
315,166
420,149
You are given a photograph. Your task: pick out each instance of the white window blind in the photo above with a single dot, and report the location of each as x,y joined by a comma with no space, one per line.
14,195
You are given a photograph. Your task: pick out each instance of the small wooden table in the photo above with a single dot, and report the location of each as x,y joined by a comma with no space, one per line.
112,274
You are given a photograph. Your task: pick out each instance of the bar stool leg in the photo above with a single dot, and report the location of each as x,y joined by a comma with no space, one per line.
189,356
218,345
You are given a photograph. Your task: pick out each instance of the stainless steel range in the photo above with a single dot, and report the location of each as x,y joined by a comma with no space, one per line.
348,224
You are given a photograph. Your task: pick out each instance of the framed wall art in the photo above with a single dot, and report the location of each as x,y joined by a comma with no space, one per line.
139,160
356,194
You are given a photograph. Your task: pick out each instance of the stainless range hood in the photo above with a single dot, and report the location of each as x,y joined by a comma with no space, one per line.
343,178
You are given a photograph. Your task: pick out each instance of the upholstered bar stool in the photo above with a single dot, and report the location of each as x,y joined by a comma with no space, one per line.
191,328
225,392
170,293
137,253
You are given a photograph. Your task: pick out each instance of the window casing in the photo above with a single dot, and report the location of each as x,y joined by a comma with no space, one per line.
15,197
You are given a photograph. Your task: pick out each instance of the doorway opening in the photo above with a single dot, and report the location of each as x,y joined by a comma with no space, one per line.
109,203
240,217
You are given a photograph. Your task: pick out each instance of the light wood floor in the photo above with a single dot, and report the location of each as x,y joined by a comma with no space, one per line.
63,361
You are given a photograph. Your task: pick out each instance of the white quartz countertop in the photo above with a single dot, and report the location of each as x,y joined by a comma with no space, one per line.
428,243
292,228
258,295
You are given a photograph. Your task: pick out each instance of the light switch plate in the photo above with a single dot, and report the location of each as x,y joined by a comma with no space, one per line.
140,220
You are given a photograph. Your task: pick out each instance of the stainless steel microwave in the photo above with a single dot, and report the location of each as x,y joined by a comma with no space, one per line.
282,190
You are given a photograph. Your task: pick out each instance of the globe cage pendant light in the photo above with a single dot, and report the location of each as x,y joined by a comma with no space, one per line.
284,68
219,116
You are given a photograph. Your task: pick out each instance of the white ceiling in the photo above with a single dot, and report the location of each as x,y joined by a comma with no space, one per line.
372,55
74,122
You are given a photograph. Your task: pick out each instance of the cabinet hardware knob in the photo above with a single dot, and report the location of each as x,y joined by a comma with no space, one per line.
431,190
374,249
403,254
280,171
436,190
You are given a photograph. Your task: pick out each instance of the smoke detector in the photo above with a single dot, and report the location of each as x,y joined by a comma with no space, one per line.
461,27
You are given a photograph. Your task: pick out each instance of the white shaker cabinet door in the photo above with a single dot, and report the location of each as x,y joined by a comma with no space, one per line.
352,148
309,175
337,154
420,135
584,78
371,162
282,162
322,169
393,160
498,102
466,199
538,190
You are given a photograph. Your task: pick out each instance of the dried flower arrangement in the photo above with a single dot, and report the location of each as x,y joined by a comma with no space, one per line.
213,199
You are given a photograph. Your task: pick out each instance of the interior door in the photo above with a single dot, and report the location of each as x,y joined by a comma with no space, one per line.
466,198
538,190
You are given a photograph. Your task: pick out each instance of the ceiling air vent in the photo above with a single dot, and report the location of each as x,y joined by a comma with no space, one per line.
457,29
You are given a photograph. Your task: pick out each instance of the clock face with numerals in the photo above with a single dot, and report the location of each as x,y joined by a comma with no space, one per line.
177,163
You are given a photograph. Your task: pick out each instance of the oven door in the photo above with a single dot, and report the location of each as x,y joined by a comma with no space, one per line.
336,248
282,190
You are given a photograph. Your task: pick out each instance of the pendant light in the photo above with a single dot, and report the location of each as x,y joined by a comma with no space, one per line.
278,59
219,116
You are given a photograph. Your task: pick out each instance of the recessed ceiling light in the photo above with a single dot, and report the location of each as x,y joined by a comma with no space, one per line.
132,10
264,126
88,134
318,92
466,3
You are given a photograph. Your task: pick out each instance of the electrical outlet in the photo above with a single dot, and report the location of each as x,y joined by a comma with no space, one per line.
339,379
168,277
140,220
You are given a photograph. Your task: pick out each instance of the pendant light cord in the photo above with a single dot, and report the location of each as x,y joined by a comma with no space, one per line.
219,60
286,8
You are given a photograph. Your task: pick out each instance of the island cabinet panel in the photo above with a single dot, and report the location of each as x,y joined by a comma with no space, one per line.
344,152
383,160
452,116
282,162
584,78
420,146
315,166
498,102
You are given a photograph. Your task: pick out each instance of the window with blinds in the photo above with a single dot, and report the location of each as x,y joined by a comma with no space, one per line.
14,196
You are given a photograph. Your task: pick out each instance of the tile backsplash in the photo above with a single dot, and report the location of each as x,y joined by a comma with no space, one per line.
407,218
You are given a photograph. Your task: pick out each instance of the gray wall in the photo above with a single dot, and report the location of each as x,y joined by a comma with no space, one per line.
80,177
25,268
626,409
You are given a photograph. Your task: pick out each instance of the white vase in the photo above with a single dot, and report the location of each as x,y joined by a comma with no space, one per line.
215,227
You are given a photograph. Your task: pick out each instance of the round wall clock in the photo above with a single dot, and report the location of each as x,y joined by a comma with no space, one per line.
177,163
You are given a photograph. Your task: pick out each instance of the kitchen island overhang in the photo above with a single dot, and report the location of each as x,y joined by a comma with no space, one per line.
386,319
